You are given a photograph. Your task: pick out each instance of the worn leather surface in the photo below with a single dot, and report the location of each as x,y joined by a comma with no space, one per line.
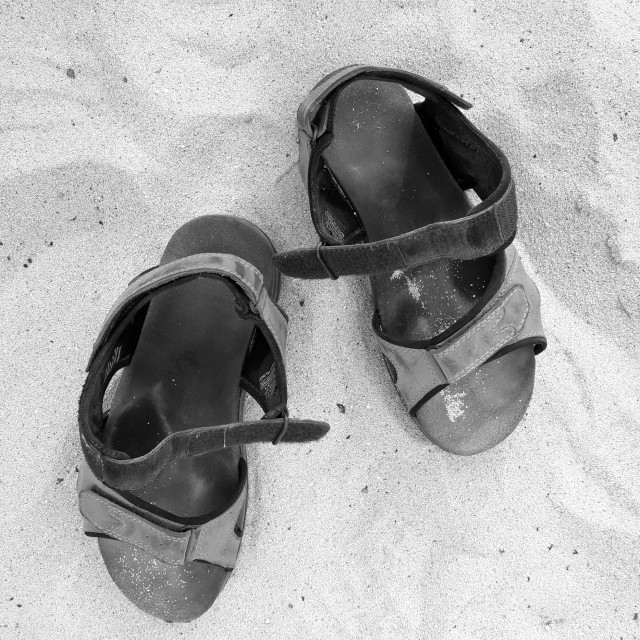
466,238
309,107
107,512
511,316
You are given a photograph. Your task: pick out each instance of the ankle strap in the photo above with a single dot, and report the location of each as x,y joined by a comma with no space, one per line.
116,345
474,236
474,161
129,474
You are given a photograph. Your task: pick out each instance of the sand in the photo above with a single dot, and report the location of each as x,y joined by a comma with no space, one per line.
119,121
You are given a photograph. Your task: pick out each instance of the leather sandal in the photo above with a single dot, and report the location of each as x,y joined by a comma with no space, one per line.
390,188
164,483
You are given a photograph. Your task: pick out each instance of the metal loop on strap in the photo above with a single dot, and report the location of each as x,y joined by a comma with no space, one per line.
285,426
322,262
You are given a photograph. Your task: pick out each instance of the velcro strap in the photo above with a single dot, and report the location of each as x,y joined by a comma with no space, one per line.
489,227
310,106
512,316
476,345
116,345
476,235
216,541
128,474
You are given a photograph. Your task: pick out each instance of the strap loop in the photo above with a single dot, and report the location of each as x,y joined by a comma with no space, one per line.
285,426
321,260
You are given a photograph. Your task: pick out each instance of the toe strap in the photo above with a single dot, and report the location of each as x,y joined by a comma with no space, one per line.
216,541
511,318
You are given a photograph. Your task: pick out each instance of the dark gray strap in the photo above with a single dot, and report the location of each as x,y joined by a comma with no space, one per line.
478,234
129,474
489,227
116,344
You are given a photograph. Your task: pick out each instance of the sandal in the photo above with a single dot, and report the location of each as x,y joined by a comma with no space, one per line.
164,482
456,316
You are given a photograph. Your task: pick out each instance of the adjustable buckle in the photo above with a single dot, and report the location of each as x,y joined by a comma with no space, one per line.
285,426
330,273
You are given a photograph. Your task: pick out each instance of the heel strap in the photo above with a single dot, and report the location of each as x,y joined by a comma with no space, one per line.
312,104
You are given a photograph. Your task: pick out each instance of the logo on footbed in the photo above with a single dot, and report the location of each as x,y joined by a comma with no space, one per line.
267,382
113,361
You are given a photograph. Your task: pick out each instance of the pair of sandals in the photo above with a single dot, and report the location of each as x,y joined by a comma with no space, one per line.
164,482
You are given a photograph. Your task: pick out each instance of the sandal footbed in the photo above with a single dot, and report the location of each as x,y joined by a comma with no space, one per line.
185,373
386,163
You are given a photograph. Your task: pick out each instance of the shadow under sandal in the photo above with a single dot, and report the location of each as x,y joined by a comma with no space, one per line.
456,316
164,482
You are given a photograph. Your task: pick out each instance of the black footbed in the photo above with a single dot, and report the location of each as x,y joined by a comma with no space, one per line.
185,373
382,157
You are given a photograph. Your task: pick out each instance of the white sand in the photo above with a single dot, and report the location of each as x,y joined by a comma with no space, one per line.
537,538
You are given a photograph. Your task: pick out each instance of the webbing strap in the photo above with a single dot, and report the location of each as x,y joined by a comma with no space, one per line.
474,236
129,474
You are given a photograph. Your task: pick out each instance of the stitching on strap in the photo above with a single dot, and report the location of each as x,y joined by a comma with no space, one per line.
496,347
480,359
500,304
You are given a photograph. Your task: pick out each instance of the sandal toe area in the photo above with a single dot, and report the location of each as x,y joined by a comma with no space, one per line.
481,410
174,593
